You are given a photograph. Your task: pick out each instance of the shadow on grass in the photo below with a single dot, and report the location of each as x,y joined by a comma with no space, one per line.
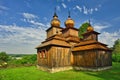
111,74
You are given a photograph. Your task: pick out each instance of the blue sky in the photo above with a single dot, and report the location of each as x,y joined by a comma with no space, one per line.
23,22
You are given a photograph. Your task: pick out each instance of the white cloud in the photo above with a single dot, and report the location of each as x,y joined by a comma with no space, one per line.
45,18
64,6
86,10
32,19
109,38
29,16
3,7
79,8
99,27
106,37
58,8
36,23
96,9
91,10
17,39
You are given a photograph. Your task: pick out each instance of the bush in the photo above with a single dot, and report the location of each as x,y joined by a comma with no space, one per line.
3,56
116,57
3,59
27,60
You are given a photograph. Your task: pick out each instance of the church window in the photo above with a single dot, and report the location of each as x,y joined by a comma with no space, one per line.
40,54
43,53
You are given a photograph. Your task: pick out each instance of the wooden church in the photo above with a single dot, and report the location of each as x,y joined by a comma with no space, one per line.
64,50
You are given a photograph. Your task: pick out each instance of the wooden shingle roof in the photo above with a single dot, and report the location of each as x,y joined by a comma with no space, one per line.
89,47
54,26
56,36
55,40
65,29
88,42
90,33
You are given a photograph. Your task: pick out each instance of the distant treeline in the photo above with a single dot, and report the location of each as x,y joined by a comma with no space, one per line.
17,60
19,55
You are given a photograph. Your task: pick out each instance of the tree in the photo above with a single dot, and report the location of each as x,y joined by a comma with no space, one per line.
116,46
30,59
116,50
83,29
3,56
3,59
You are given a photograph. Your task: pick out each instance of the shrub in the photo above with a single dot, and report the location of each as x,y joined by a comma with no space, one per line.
116,57
3,56
3,64
27,60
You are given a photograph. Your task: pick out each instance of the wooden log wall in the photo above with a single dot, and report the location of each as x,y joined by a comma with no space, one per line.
70,32
60,56
104,58
84,58
53,31
55,57
93,58
43,56
91,37
73,32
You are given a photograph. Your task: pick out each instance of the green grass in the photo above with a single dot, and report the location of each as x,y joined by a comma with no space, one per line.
31,73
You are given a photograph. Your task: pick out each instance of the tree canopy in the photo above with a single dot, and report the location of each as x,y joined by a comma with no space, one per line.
83,29
3,56
116,47
116,51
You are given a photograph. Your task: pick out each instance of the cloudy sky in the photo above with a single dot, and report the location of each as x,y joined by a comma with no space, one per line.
23,22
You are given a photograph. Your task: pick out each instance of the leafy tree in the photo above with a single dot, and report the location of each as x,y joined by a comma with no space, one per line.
3,59
83,29
116,47
3,56
116,51
26,60
30,59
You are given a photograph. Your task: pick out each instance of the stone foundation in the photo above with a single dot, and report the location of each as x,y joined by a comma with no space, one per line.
56,69
93,69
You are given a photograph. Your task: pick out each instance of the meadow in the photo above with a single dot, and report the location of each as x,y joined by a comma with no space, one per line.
32,73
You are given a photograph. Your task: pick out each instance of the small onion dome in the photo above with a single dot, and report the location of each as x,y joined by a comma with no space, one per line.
90,28
69,22
55,21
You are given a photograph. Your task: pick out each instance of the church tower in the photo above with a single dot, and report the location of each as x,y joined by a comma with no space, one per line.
90,34
55,27
69,32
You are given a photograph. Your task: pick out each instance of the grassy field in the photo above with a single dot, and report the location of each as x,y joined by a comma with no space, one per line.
31,73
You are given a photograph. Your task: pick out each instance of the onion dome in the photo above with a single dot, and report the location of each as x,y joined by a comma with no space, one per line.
69,22
55,21
90,28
